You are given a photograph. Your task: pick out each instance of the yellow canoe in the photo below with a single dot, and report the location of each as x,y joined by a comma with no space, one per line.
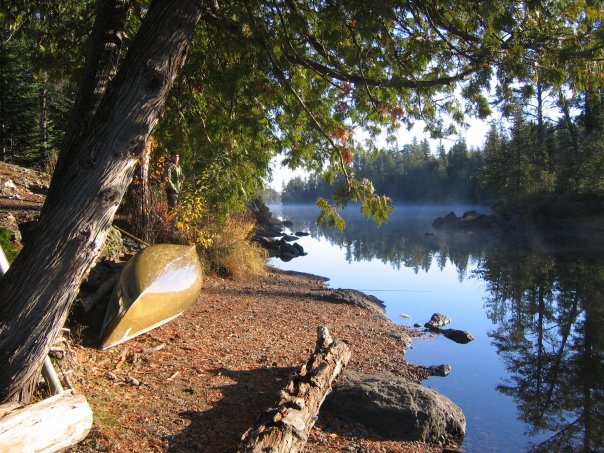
157,285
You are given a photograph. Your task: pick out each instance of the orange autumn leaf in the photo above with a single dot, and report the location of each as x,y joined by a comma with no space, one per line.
347,155
342,134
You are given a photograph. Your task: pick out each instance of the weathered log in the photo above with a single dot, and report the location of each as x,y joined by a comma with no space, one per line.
285,427
51,425
88,302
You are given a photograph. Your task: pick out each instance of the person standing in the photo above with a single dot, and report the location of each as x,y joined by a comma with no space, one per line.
173,177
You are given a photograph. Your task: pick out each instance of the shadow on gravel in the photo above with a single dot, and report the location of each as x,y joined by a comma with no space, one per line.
220,428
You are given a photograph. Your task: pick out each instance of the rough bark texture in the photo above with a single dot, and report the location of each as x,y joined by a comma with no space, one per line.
36,292
104,48
285,428
53,424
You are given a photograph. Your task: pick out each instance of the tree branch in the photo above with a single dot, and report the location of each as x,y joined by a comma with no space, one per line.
393,82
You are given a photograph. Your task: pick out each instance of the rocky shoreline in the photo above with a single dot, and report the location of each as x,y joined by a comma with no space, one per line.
554,221
182,387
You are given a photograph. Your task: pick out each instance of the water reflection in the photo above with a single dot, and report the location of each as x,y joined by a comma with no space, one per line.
545,304
549,316
406,240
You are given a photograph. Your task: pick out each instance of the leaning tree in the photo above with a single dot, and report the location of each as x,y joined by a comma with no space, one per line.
301,76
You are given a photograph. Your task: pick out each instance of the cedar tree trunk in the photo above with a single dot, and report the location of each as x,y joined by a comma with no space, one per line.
95,168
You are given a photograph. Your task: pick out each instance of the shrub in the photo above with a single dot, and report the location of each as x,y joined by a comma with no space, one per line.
230,252
223,241
113,247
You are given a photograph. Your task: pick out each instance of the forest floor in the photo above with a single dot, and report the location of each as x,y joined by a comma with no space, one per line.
199,382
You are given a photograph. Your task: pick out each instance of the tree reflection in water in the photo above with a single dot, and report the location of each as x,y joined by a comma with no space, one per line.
548,309
549,313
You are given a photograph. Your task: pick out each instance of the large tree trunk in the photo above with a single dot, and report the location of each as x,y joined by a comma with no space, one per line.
38,289
103,53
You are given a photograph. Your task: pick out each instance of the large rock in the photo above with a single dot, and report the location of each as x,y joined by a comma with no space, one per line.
439,370
358,298
396,409
458,336
449,221
470,220
437,321
288,251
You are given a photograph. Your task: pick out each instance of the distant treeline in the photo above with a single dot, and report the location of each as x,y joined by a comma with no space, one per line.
524,160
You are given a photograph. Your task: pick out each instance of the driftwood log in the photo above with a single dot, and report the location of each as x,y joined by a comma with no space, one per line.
285,427
53,424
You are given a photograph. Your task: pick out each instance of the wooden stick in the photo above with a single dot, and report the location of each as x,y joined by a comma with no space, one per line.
92,299
3,262
50,375
131,236
285,428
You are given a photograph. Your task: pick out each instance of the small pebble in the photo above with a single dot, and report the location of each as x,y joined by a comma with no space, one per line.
132,381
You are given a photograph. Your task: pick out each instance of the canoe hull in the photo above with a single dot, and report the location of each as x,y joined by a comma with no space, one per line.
156,285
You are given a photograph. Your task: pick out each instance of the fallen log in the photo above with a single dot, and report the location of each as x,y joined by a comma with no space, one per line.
285,427
51,425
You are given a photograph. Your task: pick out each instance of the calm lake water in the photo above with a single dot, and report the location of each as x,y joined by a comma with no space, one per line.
533,379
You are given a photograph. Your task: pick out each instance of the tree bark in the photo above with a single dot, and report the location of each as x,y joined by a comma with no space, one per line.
41,284
285,428
103,52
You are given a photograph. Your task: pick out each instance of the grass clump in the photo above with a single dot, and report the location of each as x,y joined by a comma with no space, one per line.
10,250
223,241
230,252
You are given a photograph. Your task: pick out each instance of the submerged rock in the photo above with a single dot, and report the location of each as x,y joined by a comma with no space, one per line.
396,409
458,336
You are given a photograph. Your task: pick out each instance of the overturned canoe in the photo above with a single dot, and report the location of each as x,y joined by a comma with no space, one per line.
156,285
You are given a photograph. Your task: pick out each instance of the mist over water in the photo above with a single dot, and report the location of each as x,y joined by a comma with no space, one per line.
532,380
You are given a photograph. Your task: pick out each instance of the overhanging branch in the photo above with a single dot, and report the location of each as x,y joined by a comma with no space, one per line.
393,82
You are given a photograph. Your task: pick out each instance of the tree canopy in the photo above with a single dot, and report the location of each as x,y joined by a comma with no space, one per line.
231,84
298,79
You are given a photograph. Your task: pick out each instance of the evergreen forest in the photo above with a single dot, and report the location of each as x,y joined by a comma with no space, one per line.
524,161
235,106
